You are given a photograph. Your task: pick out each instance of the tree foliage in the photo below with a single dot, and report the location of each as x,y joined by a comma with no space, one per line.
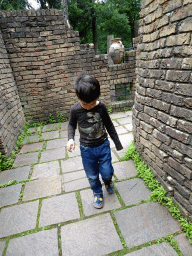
14,4
48,4
94,19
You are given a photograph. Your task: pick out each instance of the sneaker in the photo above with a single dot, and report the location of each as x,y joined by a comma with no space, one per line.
110,188
98,201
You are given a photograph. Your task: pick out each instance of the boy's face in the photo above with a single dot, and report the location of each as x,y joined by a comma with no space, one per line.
89,105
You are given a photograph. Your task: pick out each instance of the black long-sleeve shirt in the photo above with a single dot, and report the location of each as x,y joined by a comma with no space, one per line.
92,124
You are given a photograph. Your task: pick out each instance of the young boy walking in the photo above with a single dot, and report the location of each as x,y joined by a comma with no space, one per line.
93,120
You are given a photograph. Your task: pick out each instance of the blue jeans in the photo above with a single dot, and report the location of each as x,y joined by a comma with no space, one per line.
97,160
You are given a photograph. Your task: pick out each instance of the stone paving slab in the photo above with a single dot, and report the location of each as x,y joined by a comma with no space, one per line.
95,236
17,174
146,222
31,147
19,218
74,176
133,191
59,209
10,195
50,135
126,120
126,140
54,154
184,246
76,185
37,244
125,169
32,129
114,157
129,127
72,164
129,113
2,246
26,159
121,130
33,138
118,115
75,152
64,126
42,188
163,249
45,170
50,126
59,143
64,134
110,202
115,123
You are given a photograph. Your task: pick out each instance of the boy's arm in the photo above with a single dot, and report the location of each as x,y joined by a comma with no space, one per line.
71,131
111,129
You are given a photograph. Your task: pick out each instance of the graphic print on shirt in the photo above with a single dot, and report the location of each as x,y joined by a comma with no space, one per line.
96,128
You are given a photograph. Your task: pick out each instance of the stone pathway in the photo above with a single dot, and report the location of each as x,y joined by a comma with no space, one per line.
51,212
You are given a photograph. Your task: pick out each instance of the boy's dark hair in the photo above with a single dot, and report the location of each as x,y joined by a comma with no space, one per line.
87,88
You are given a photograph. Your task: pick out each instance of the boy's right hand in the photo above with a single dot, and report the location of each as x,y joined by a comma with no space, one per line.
70,145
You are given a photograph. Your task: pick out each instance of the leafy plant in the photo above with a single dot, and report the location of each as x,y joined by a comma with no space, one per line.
110,110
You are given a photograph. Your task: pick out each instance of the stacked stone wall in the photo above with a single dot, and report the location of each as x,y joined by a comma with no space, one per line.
162,113
11,114
46,56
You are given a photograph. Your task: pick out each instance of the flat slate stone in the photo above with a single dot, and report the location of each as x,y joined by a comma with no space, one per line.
126,120
31,147
126,140
163,249
42,188
45,170
184,246
110,202
129,113
40,243
50,126
72,164
19,218
114,157
64,126
2,246
54,154
129,127
146,222
64,134
76,185
117,115
10,195
125,169
59,209
26,159
121,130
50,135
133,191
17,174
59,143
74,176
75,152
95,236
32,129
33,138
115,123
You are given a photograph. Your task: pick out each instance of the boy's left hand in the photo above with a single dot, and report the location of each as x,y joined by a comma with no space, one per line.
70,145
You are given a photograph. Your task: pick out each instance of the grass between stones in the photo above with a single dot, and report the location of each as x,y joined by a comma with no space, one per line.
79,201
